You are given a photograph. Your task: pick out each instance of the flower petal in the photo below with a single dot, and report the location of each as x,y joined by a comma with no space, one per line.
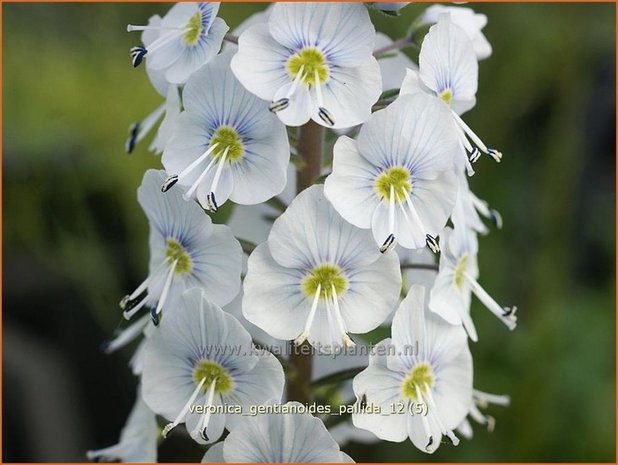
350,93
351,185
342,30
260,62
273,300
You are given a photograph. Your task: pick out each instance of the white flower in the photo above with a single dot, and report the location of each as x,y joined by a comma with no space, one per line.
278,438
398,178
318,277
226,143
448,70
481,400
393,66
169,110
138,438
467,19
313,61
457,280
186,251
200,362
469,206
189,36
423,387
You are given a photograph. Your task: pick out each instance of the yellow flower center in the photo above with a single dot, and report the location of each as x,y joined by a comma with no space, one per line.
175,251
227,138
326,276
421,377
312,60
399,178
447,96
460,271
213,371
194,29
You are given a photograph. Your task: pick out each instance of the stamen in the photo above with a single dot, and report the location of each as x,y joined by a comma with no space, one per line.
135,27
199,180
390,239
154,316
166,289
215,182
415,218
495,154
475,155
505,314
211,202
126,336
484,398
432,243
496,218
331,324
347,341
132,140
447,432
202,425
388,243
469,168
424,421
139,130
165,39
169,183
133,309
137,295
302,337
279,105
325,116
137,55
170,426
323,113
284,102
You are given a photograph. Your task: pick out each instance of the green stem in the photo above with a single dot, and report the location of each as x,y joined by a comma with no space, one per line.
310,141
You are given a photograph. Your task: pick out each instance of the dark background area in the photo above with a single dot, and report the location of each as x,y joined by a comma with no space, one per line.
75,239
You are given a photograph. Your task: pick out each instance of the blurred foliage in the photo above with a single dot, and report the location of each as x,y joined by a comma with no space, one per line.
546,98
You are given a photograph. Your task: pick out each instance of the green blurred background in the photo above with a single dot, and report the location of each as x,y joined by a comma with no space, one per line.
75,238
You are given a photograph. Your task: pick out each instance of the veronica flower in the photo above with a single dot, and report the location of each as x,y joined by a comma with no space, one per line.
457,280
318,277
398,178
226,143
186,250
138,438
278,438
189,35
424,386
469,209
468,20
448,70
481,400
167,111
312,61
201,359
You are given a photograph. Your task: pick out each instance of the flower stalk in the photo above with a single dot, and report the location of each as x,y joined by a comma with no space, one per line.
310,144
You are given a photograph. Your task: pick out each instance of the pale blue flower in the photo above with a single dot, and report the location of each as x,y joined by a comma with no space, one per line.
312,61
201,360
186,251
189,35
226,144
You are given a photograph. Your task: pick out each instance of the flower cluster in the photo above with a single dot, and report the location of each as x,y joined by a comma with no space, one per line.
328,262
